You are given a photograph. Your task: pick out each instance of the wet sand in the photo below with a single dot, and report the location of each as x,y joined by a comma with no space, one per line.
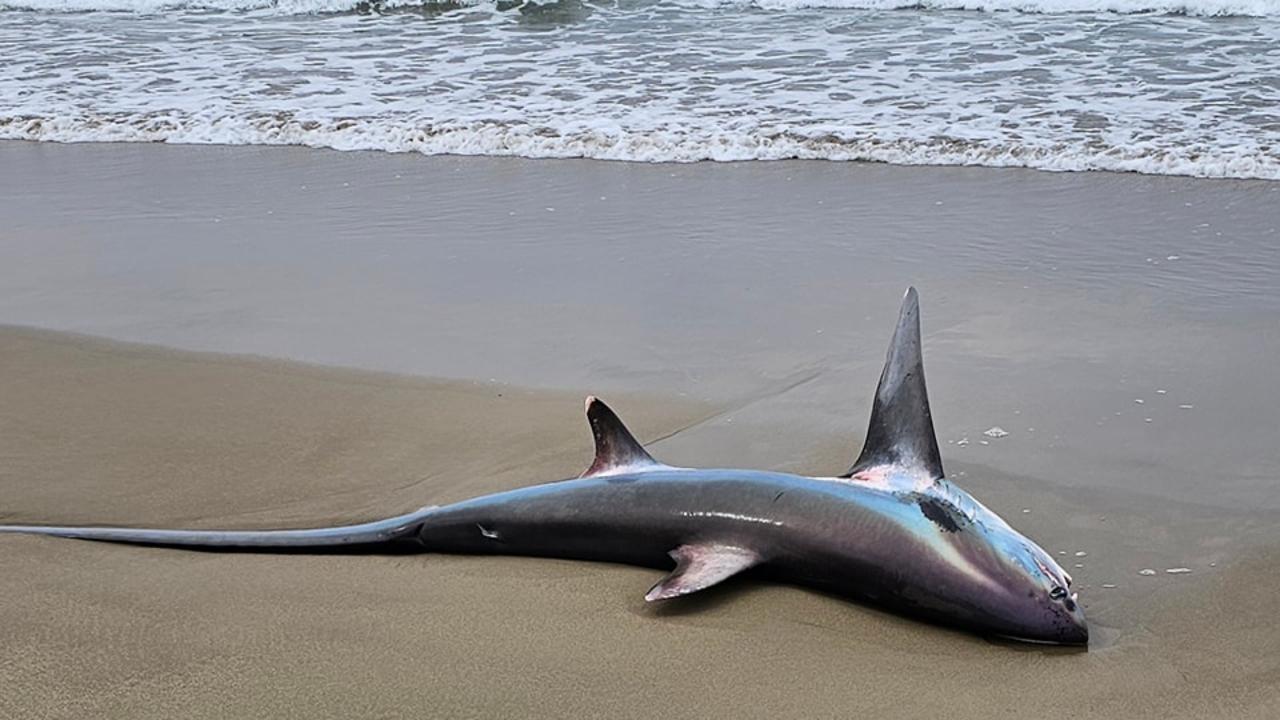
758,349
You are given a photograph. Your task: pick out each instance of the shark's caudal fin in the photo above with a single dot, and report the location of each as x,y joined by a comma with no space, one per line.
377,532
617,450
901,429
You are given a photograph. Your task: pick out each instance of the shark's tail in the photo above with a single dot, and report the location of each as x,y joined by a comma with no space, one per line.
377,532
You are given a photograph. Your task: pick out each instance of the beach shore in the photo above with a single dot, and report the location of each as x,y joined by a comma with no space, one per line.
1115,326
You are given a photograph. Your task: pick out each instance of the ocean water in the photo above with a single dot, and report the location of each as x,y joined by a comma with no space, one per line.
1182,87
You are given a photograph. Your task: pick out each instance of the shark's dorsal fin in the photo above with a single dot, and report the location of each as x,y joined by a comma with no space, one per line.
701,566
901,429
616,448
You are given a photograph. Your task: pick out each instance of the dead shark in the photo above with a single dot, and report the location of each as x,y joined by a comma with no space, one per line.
892,531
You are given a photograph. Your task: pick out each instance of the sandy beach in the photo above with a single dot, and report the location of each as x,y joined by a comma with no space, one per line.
273,337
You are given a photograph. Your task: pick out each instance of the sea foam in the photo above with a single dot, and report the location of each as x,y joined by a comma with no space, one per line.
1204,8
611,144
648,81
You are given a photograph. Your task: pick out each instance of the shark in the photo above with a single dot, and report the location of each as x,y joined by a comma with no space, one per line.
892,531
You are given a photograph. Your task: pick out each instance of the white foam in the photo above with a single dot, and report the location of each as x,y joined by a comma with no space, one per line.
1204,8
135,6
668,146
278,7
1166,95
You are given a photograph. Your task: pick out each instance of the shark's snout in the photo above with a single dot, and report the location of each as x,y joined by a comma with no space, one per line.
1061,609
1076,627
1050,620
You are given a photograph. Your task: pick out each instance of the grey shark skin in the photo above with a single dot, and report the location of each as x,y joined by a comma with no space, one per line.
891,531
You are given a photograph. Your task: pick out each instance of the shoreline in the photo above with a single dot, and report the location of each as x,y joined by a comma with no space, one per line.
902,158
1049,305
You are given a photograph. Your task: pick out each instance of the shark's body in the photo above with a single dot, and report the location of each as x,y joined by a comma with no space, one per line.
892,530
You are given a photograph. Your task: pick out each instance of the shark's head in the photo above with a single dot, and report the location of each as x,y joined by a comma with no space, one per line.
967,566
1035,602
976,569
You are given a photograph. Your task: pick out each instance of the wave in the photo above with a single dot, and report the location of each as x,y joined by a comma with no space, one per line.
1199,8
278,7
691,145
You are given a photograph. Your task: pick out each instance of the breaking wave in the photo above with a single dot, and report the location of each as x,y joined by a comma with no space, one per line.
687,145
658,81
277,7
1200,8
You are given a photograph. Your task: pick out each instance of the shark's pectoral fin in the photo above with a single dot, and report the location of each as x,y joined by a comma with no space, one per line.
701,566
901,431
617,450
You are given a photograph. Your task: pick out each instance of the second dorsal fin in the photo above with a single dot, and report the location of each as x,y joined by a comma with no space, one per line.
901,429
616,448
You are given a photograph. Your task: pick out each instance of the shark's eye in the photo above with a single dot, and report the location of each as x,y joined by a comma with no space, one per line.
1058,592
